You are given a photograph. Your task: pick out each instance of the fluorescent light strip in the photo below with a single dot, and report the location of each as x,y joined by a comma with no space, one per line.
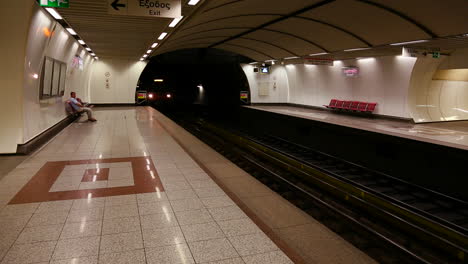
146,55
81,42
252,63
193,2
317,54
162,36
54,13
88,49
142,59
290,58
154,45
149,51
356,49
175,21
92,54
409,42
97,58
71,31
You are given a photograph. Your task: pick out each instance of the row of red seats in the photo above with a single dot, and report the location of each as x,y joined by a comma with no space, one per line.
351,105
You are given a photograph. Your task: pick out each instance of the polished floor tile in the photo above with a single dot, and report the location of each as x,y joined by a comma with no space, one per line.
176,254
193,217
205,231
135,256
30,253
212,250
39,234
76,248
162,237
121,225
121,242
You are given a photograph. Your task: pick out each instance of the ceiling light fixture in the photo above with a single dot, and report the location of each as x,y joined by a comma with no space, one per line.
175,21
252,63
81,42
88,49
97,58
142,59
317,54
149,51
162,36
193,2
158,80
71,31
92,54
54,13
409,42
154,45
356,49
146,55
290,58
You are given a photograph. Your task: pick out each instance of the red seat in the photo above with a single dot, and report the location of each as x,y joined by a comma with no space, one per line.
371,107
332,104
354,105
346,105
362,106
339,104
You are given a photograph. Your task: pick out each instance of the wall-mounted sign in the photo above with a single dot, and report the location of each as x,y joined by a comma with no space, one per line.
420,52
54,3
351,71
151,8
141,95
319,61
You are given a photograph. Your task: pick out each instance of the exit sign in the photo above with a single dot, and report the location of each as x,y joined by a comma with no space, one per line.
54,3
435,55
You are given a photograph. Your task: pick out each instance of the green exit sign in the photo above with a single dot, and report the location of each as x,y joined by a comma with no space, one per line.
435,55
54,3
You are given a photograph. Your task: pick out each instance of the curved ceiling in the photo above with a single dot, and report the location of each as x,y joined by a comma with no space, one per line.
276,29
272,29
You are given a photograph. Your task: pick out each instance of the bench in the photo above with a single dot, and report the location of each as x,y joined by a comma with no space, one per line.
70,110
355,106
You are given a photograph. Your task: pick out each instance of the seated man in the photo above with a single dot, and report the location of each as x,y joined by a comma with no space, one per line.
79,107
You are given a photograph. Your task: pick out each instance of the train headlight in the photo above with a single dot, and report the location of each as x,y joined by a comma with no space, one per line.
168,95
150,96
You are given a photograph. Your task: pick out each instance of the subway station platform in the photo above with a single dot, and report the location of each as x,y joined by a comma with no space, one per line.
134,187
452,134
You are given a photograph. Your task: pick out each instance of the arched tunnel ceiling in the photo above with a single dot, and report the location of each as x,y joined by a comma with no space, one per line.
274,29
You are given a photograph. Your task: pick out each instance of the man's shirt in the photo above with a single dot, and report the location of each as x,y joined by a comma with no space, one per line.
74,104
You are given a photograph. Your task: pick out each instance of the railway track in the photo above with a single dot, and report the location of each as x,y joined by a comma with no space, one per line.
419,225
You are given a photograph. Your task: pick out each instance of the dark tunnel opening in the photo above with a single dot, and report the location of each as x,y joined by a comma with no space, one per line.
195,78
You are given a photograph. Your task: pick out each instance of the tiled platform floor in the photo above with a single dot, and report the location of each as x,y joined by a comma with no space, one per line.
204,209
453,134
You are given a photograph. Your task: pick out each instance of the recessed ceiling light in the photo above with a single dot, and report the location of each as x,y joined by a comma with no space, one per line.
356,49
146,55
54,13
88,49
193,2
81,42
149,51
162,36
92,54
142,59
290,58
409,42
154,45
71,31
175,21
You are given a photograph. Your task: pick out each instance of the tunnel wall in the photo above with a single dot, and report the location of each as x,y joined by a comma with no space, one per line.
14,24
384,80
39,115
122,76
436,93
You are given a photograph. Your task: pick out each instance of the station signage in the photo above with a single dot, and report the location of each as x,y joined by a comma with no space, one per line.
147,8
351,71
318,61
244,95
54,3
